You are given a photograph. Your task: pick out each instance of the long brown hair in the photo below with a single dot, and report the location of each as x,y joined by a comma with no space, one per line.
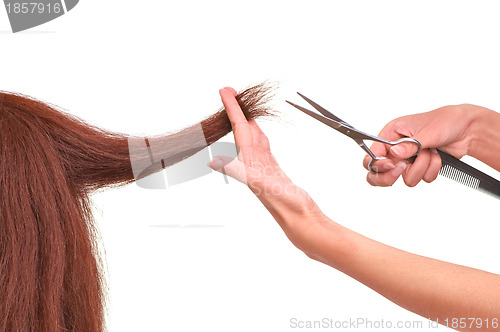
50,162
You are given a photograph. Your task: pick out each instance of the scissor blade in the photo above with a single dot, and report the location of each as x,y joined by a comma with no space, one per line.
323,111
329,122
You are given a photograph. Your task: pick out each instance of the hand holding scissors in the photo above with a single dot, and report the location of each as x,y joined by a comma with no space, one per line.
447,165
358,136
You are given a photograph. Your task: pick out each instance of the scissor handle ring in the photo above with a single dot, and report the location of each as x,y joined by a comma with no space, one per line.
409,140
370,168
399,141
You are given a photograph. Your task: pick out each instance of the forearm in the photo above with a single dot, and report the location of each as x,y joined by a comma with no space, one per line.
431,288
485,136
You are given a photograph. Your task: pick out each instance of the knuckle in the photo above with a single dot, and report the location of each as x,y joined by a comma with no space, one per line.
389,182
369,179
430,177
376,179
427,180
411,182
265,141
236,130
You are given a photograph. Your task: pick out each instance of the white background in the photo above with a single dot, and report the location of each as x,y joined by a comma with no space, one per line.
147,67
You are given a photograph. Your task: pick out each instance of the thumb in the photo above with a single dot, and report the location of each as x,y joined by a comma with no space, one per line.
406,150
229,166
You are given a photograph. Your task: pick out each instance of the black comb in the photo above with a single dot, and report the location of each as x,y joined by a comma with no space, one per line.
467,175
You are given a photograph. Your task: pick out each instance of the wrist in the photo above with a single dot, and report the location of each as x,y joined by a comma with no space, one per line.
483,134
306,232
297,214
311,231
330,243
476,118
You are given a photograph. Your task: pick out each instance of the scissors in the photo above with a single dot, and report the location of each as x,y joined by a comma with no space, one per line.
358,136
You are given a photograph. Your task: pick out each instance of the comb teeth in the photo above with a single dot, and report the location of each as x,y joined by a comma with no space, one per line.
461,177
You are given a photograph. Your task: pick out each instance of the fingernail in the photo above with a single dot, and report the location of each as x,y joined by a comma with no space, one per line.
398,170
389,166
434,150
216,163
397,150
